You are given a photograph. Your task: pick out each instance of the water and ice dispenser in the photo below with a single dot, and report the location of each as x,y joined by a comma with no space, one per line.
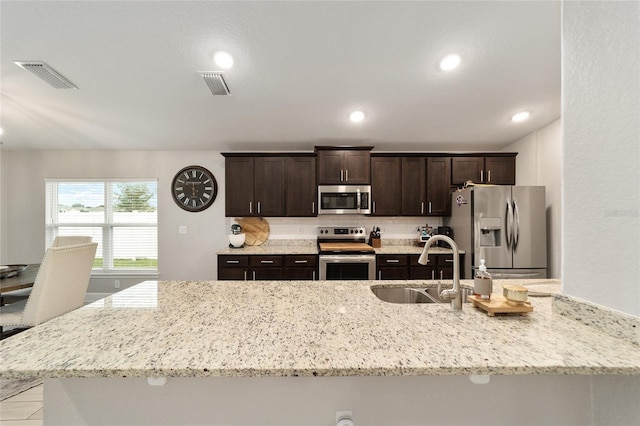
490,232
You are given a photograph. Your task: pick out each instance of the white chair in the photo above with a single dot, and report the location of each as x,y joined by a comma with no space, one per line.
59,241
67,240
59,287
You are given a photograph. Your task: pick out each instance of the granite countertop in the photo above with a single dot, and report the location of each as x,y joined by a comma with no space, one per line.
306,328
277,247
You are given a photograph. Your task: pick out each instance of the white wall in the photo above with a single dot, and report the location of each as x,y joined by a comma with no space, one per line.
181,256
601,176
539,162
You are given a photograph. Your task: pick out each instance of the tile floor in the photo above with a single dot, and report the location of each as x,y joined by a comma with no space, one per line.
24,409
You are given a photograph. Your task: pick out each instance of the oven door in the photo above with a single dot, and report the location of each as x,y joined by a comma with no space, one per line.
347,266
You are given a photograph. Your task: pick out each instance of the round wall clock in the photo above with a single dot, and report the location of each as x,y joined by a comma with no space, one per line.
194,188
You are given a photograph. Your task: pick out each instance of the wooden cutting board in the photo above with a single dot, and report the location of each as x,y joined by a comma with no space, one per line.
499,305
256,230
346,247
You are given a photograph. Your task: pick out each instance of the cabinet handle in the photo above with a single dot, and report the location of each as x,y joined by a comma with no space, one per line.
379,275
254,275
441,274
229,262
429,206
422,207
258,207
449,260
393,260
313,207
374,207
341,175
250,207
481,175
268,262
245,275
488,175
313,275
300,261
346,175
433,275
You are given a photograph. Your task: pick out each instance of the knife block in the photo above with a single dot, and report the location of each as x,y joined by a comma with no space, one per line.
376,243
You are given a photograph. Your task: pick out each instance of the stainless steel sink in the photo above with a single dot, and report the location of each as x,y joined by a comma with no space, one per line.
408,295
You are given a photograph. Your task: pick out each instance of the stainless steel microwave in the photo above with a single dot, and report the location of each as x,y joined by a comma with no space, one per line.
344,199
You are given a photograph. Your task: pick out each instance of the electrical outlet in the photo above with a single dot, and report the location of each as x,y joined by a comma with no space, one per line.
116,283
182,229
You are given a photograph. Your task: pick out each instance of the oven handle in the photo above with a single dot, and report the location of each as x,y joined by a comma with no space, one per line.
347,258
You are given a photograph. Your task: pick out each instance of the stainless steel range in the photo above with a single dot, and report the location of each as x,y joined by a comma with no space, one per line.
344,253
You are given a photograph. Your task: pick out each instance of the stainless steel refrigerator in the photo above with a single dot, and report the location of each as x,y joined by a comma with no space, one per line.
505,225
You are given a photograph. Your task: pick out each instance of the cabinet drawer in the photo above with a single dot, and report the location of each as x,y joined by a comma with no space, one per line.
232,261
389,260
413,260
300,261
265,261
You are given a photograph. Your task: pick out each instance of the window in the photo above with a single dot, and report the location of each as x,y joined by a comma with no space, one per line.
120,215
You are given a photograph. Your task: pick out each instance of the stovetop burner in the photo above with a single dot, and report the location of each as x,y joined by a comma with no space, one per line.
343,240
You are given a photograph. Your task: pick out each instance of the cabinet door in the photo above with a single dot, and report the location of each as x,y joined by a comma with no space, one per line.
301,186
330,167
238,186
392,273
233,267
414,186
422,272
386,186
300,267
467,168
500,170
269,181
266,267
357,166
439,186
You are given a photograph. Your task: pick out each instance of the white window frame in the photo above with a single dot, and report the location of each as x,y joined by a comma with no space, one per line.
108,225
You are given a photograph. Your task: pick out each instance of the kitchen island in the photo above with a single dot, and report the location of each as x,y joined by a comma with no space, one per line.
332,341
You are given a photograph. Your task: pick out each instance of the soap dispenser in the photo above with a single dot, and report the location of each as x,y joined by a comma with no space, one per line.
482,282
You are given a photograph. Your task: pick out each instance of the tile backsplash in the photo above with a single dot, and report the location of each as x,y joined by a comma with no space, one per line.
287,228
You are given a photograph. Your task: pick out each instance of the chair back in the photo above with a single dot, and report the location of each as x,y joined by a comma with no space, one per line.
67,240
61,283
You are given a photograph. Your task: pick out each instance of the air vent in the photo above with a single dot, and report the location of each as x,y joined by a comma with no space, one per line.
47,73
216,83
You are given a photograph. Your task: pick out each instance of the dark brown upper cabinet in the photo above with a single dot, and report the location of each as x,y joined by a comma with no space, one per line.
492,169
301,188
386,186
438,186
414,186
270,185
344,166
255,186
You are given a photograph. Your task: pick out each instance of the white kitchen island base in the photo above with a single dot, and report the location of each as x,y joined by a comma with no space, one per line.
397,401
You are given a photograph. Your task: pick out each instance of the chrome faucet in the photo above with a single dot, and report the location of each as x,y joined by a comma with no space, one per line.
453,294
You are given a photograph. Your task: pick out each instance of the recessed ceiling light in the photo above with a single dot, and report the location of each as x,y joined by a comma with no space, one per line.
450,62
223,60
356,116
521,116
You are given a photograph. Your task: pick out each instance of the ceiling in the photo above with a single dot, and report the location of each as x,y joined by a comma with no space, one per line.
300,69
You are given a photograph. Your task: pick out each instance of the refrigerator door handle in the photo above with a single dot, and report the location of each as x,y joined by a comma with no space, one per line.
508,223
516,228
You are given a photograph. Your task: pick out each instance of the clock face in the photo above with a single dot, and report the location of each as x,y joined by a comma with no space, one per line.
194,188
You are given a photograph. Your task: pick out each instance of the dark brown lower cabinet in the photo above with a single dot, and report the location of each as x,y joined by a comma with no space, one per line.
301,267
403,267
392,267
267,268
